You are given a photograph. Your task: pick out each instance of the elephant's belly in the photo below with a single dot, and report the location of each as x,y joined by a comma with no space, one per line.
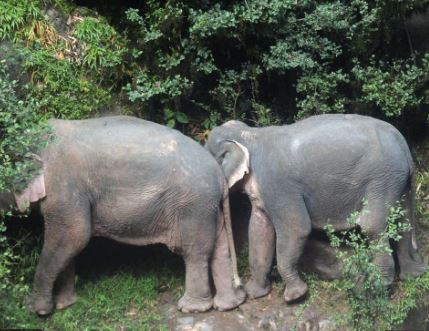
136,224
334,209
138,238
166,239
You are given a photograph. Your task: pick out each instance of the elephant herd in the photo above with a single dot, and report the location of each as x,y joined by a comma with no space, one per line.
142,183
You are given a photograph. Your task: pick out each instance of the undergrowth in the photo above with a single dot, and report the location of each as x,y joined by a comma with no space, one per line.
117,291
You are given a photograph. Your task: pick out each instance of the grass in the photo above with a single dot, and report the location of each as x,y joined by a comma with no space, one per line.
119,288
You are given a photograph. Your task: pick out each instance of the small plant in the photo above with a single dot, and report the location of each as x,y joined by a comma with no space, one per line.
173,117
62,87
103,47
16,16
367,296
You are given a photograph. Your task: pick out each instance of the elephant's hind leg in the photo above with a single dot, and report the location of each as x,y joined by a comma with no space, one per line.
67,232
197,297
411,263
197,243
262,241
293,225
373,222
227,297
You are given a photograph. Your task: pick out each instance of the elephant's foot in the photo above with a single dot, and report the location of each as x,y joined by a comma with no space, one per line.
412,269
295,290
255,290
41,306
386,265
230,300
64,301
188,304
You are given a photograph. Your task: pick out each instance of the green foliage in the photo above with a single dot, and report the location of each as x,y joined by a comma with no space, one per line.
265,62
72,73
63,88
248,59
125,294
16,15
17,267
367,296
22,135
173,117
320,93
103,47
392,87
149,86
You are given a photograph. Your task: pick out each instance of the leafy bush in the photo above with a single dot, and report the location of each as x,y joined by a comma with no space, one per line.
62,87
17,16
23,134
104,50
367,296
265,61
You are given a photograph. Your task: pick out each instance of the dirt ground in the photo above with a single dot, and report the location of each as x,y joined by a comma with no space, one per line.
268,313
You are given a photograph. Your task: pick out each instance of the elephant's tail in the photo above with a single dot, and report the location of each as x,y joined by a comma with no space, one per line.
228,228
410,205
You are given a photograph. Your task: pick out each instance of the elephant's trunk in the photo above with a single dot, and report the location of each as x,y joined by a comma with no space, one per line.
228,228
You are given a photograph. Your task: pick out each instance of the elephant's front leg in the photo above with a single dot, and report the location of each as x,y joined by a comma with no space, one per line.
293,225
197,297
67,232
65,294
261,253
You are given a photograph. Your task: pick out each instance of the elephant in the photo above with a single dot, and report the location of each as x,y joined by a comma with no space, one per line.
139,183
319,170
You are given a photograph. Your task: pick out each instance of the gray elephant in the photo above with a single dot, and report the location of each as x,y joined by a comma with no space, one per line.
139,183
317,171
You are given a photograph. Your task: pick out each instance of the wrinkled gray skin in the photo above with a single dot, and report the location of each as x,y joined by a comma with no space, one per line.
317,171
139,183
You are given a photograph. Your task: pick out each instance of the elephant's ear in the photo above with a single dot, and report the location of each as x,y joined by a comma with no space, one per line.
235,161
32,193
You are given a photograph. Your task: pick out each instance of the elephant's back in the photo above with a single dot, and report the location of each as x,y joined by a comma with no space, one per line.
340,134
133,151
338,160
344,127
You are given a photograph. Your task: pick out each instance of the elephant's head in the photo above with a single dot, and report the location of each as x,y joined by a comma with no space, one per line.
227,144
